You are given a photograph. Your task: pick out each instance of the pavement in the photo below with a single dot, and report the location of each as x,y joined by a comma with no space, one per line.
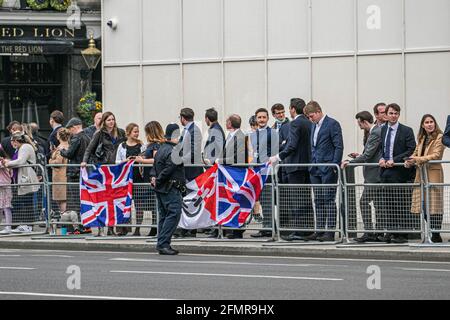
413,251
92,275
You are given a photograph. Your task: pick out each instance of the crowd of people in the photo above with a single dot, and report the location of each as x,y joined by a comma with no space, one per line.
309,137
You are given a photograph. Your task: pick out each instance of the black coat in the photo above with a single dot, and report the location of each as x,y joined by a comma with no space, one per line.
191,152
77,148
165,171
236,149
446,138
404,146
215,143
107,150
7,147
298,145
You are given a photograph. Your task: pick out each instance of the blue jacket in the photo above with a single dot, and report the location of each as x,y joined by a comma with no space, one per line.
329,147
446,138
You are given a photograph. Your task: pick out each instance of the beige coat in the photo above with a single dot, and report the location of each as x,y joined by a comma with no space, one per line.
59,192
434,151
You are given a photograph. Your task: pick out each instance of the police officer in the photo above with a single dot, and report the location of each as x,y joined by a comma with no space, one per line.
168,181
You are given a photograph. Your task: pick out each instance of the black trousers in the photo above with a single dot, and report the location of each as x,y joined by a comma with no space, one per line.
169,206
371,194
301,212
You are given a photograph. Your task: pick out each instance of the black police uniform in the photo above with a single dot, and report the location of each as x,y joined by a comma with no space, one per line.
169,188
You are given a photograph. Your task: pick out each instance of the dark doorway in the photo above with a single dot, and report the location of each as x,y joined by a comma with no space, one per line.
30,89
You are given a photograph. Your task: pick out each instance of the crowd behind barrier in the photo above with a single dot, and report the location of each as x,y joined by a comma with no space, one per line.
311,195
286,207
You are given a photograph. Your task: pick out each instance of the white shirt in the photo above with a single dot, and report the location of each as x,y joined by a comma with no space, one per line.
317,129
186,128
231,134
393,134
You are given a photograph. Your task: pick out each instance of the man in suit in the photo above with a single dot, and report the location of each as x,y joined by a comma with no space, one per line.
446,138
13,126
281,125
191,153
216,138
379,110
371,154
327,147
56,122
265,144
236,144
235,152
397,144
296,151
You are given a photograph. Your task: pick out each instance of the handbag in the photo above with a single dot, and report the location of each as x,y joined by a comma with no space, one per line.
100,152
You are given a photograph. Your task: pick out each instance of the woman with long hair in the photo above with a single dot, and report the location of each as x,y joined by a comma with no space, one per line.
429,148
128,150
103,146
155,137
26,180
59,173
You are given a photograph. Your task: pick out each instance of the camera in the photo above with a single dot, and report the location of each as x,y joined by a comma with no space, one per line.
112,23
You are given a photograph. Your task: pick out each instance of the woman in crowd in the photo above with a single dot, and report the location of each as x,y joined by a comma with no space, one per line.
25,178
155,137
130,150
5,193
59,176
103,146
429,148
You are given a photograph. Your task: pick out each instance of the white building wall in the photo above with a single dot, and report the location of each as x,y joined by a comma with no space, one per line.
238,55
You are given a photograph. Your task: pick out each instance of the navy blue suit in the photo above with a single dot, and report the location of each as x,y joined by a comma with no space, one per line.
446,138
329,148
397,200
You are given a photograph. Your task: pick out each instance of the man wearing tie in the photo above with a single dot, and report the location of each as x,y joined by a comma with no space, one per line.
265,144
327,147
297,151
446,138
216,138
398,144
235,152
191,152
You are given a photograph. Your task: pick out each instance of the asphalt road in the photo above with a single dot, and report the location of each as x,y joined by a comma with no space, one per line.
35,274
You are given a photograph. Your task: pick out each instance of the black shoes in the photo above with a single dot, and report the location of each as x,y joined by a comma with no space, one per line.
261,234
436,238
399,239
385,238
326,237
168,251
365,238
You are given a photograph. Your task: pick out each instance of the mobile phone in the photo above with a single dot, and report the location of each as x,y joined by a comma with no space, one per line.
407,158
351,155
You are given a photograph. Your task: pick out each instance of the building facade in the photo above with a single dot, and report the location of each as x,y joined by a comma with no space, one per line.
238,55
41,66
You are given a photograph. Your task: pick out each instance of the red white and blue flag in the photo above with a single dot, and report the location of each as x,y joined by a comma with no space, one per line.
223,195
106,195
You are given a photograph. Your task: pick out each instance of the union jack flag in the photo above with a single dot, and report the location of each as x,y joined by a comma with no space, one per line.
223,195
106,195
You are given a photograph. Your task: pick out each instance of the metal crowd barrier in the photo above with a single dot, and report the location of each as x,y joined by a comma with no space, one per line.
379,208
144,213
309,208
361,208
28,201
263,221
436,204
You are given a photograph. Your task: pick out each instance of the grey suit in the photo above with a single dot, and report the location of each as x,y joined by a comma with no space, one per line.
372,154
